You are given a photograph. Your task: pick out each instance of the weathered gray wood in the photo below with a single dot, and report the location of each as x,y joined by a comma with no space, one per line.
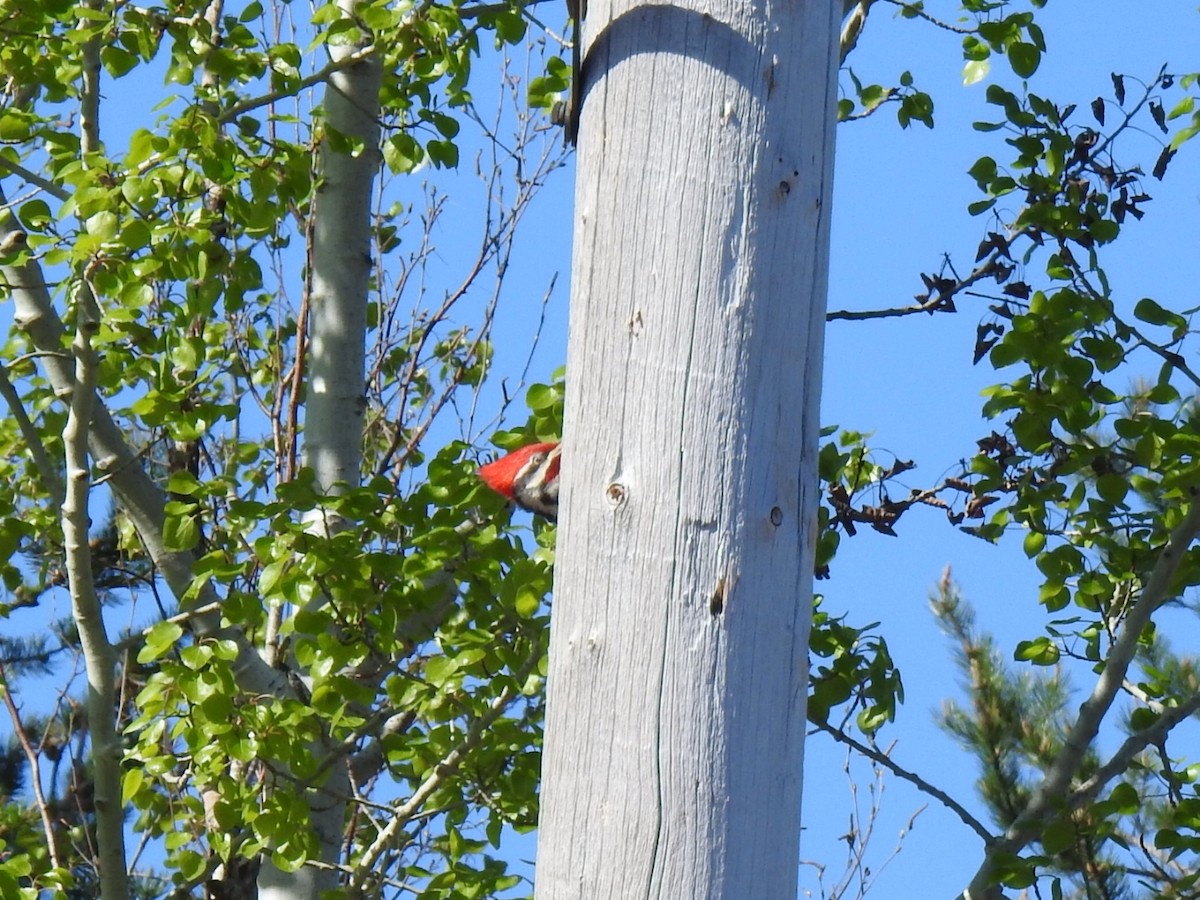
675,723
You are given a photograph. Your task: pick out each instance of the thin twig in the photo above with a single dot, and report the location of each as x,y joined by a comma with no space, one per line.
404,812
35,770
915,10
911,777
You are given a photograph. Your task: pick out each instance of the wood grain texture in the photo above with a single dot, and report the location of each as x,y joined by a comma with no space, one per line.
683,596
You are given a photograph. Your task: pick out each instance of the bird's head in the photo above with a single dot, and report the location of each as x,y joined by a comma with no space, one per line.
508,474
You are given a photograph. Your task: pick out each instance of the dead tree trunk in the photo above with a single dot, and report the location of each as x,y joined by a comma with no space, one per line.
678,672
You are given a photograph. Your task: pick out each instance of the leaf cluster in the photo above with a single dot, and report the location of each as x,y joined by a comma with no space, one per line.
408,637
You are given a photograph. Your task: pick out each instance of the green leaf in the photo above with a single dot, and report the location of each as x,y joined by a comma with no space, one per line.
1024,58
181,531
191,864
1059,836
447,126
1112,487
1125,798
544,89
439,670
117,62
269,578
15,126
1040,651
916,107
132,779
527,603
183,482
159,641
102,225
217,708
443,153
402,153
983,171
975,71
975,50
871,96
36,214
1142,718
1152,313
1034,543
1168,839
510,27
543,396
196,656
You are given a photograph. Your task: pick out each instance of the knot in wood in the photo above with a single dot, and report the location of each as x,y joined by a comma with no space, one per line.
616,494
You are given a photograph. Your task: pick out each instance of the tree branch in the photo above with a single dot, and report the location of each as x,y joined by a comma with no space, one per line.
911,777
35,769
931,304
35,179
301,84
1120,761
41,459
1053,788
89,94
141,499
99,659
405,811
921,14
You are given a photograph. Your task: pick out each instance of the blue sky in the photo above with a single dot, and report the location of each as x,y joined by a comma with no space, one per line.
899,205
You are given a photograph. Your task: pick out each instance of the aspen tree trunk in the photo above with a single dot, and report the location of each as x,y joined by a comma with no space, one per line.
341,270
677,687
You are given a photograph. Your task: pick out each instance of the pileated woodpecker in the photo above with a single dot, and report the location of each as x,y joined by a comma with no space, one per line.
528,477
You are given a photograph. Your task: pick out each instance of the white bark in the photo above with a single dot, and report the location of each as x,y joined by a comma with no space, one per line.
140,498
341,274
98,655
677,683
341,267
1052,794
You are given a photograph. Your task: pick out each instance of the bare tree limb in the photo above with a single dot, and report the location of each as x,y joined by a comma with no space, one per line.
913,778
931,304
